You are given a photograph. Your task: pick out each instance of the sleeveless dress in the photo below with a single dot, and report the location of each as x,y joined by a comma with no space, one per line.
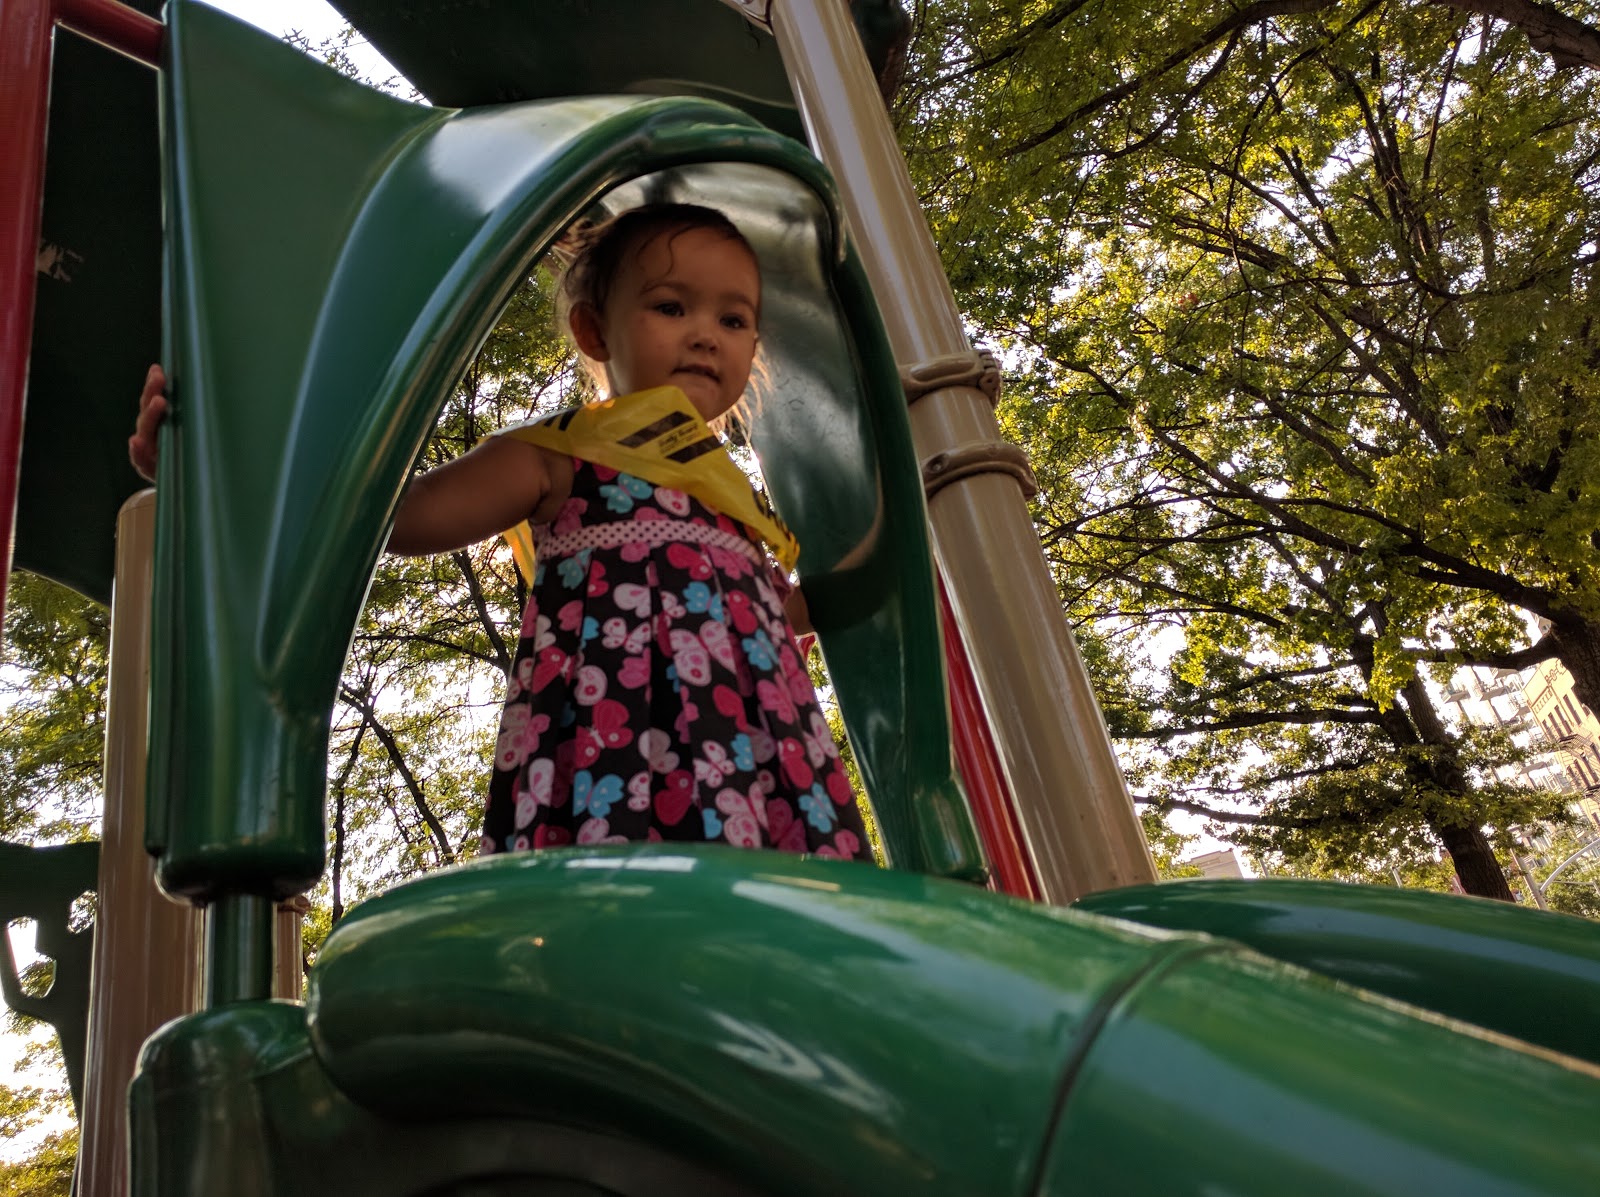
657,691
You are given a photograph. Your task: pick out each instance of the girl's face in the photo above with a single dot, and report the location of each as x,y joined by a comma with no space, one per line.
681,312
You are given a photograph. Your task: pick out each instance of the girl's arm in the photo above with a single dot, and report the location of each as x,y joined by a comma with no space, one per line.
496,486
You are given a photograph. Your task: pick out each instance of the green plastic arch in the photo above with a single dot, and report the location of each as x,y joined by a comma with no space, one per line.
334,258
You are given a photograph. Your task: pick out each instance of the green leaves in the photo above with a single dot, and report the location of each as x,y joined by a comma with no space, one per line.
52,712
1303,307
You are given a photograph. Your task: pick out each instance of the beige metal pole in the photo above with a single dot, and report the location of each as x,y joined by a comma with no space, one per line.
146,963
1076,814
1527,876
146,949
288,955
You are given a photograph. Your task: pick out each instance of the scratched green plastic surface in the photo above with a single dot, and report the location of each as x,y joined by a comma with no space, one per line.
501,51
792,1026
335,256
1522,972
41,884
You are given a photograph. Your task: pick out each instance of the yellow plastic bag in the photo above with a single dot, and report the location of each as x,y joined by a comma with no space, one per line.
658,436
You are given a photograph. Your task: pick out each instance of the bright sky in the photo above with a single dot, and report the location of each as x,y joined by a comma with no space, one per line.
313,18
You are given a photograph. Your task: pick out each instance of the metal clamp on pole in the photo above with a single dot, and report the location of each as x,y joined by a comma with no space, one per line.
978,457
977,368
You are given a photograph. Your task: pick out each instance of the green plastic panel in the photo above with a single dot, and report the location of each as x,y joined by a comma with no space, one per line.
97,315
335,256
826,1027
796,1027
1526,973
233,1101
501,51
1231,1074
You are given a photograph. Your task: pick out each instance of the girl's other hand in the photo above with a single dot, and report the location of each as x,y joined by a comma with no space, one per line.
142,445
797,613
152,410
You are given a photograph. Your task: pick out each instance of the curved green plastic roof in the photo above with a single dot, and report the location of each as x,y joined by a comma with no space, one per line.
501,51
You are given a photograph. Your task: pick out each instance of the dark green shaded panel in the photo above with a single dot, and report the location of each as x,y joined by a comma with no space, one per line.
821,1026
878,618
1525,973
500,51
1232,1074
97,315
42,884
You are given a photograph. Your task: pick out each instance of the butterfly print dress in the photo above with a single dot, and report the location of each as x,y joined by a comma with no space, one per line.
657,691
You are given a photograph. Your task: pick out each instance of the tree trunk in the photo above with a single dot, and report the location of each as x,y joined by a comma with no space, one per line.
1480,873
1578,648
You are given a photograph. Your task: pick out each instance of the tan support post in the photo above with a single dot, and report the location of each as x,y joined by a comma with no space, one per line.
288,953
1077,818
146,948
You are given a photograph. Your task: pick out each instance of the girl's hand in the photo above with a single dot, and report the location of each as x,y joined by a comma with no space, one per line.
142,445
797,613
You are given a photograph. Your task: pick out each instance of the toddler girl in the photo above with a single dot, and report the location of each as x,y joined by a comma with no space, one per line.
657,691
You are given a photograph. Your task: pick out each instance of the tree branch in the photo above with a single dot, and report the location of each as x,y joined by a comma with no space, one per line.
1569,42
363,704
1546,649
1226,816
1255,719
1254,14
480,606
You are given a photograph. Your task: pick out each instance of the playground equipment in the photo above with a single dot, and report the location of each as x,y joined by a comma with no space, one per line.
332,257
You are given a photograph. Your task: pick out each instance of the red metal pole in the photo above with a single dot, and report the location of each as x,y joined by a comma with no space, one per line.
116,25
25,27
979,765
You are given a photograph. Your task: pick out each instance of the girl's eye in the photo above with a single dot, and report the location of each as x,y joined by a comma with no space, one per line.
670,307
735,322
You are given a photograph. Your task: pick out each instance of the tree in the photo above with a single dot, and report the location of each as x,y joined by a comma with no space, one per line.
421,693
1304,293
51,735
47,1170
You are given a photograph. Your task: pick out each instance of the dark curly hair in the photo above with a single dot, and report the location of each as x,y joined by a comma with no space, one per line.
594,253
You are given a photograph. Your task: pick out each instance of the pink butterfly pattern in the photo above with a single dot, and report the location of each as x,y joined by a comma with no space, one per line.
657,693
